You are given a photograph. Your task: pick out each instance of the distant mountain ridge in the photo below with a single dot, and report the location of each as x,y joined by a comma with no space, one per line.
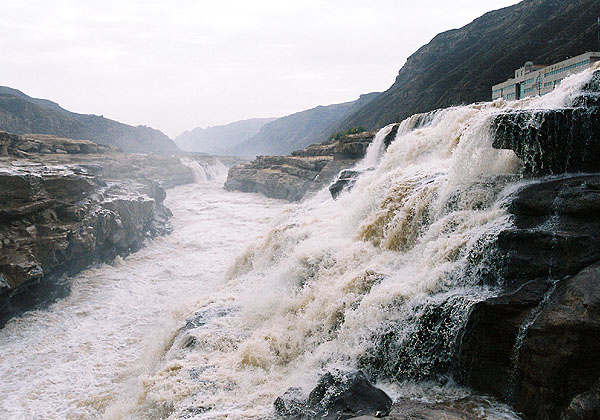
296,131
220,139
460,66
22,114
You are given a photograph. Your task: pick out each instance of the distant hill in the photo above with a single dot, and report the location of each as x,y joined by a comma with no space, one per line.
461,65
296,131
22,114
220,139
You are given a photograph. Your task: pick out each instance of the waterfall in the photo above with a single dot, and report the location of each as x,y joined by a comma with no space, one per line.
377,148
381,279
203,171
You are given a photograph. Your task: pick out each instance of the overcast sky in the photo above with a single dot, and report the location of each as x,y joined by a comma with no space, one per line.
175,65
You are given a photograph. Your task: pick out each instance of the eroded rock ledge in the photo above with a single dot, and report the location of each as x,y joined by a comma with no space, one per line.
67,204
536,344
59,220
305,172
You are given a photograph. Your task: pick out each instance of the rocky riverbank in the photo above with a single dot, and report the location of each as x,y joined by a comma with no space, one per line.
302,173
67,204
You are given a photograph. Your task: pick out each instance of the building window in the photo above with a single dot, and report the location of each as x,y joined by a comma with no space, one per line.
567,68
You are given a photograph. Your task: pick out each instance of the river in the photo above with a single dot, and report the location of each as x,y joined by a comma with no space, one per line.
89,351
250,296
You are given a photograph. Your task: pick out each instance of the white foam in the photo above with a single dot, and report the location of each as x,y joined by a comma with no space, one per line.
314,293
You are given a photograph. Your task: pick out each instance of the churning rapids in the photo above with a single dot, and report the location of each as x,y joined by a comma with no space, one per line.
275,294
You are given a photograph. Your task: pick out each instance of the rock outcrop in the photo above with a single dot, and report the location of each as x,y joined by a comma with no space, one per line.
305,171
337,396
167,170
535,345
26,145
59,220
66,204
555,141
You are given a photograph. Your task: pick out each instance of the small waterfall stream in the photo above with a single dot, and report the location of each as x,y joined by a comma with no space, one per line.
204,172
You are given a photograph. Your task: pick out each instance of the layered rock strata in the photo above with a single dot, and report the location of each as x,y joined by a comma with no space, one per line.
66,204
59,220
302,173
555,141
167,170
535,344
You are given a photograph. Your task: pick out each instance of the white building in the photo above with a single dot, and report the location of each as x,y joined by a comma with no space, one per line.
532,80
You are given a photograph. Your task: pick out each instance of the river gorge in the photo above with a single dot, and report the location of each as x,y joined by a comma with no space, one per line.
250,298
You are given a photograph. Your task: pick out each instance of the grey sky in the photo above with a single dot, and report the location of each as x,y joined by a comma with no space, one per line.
181,64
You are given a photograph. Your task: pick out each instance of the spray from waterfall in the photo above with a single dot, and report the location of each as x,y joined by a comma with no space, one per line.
381,279
205,171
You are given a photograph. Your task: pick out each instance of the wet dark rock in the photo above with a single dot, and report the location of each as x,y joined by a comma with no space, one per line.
555,141
405,409
337,396
204,316
585,406
556,229
535,345
344,181
292,404
552,141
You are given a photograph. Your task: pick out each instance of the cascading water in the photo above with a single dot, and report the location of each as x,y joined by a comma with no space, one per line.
382,279
378,147
204,172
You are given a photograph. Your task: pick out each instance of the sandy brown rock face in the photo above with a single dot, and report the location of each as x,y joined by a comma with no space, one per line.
56,220
306,170
276,176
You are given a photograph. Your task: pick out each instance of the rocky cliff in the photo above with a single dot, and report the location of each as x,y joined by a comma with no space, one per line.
67,204
535,344
22,114
460,66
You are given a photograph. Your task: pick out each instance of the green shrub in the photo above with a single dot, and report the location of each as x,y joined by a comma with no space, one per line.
340,134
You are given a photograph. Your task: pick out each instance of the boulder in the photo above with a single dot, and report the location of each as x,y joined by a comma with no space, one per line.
344,181
337,396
